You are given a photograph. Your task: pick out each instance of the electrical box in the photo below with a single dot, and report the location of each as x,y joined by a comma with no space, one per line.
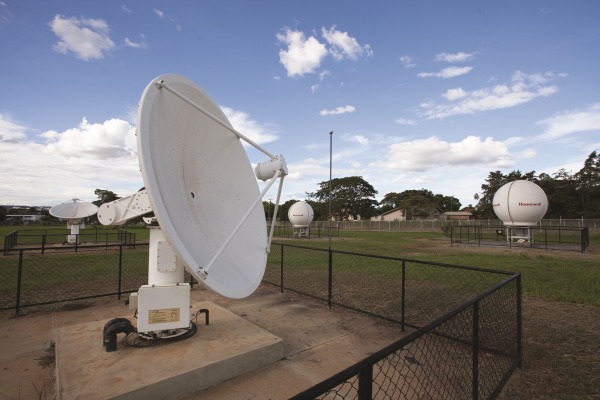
163,307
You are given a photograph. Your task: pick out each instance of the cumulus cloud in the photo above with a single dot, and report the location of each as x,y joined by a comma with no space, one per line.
11,131
114,138
455,94
450,72
423,154
68,164
343,45
338,110
86,38
571,122
243,123
304,55
522,89
454,58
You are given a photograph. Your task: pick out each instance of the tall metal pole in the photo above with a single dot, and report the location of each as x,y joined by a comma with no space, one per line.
330,169
330,272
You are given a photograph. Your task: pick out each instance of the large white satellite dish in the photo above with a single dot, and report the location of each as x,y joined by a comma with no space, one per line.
200,185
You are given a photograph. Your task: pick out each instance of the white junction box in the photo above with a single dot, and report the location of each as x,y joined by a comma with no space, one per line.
163,307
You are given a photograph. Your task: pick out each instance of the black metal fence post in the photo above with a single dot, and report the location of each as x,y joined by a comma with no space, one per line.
281,271
519,324
121,270
19,278
365,383
403,304
475,349
330,279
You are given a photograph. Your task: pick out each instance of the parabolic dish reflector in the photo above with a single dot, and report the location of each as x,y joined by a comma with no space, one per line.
73,209
200,184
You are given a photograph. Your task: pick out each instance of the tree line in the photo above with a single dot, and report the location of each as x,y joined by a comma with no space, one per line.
570,195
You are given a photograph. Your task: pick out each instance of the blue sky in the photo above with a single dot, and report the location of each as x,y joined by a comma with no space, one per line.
419,94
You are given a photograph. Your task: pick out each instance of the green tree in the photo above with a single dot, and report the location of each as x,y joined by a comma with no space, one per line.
104,196
561,191
588,186
351,197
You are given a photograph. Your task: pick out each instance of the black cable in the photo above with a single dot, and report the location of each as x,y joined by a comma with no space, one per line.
135,339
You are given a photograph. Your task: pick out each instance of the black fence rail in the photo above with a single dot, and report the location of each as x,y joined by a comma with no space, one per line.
538,237
286,229
468,352
45,238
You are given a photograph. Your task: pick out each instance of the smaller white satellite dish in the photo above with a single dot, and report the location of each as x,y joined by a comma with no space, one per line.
520,203
73,209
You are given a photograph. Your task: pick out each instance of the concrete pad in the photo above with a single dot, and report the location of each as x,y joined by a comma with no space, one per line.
230,346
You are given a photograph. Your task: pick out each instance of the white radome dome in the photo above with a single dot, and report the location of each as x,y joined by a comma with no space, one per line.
520,203
300,214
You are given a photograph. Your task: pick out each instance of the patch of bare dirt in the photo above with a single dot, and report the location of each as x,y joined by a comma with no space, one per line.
561,352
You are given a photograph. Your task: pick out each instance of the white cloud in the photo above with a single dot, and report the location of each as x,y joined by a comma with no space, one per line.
86,38
241,122
403,121
423,154
456,57
11,131
324,74
407,62
522,89
359,139
343,45
159,13
305,55
450,72
5,14
141,44
571,122
302,55
114,138
338,110
125,9
314,88
455,94
68,164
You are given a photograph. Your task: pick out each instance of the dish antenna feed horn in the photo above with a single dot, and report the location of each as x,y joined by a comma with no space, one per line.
208,213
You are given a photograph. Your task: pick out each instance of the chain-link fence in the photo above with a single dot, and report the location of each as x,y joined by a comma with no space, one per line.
469,352
538,237
30,279
45,238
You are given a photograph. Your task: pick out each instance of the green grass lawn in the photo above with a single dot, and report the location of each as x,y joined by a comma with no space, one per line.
555,275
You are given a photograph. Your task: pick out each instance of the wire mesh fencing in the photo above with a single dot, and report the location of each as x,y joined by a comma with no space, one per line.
29,278
468,352
467,321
